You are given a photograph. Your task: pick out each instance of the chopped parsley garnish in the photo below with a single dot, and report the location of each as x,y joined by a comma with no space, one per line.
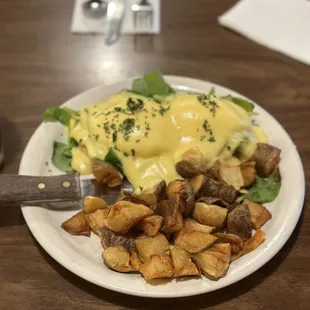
147,126
106,127
134,105
126,154
208,130
212,139
209,102
127,127
133,152
163,110
97,137
114,136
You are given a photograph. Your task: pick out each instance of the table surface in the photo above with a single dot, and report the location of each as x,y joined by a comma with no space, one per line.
42,64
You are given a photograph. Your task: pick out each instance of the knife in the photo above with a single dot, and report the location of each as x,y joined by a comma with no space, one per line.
24,189
114,21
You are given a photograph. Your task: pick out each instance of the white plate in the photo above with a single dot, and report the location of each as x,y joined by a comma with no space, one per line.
82,255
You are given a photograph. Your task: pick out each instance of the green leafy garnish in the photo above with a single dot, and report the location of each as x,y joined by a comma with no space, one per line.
63,115
62,155
211,92
263,191
152,84
113,160
243,103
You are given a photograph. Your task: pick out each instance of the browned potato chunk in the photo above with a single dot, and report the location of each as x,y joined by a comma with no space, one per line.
170,211
117,258
214,261
111,239
107,174
251,244
97,219
192,163
191,224
77,225
126,196
183,265
230,175
193,241
211,215
235,242
135,262
248,172
213,201
158,266
91,204
212,188
267,158
259,214
153,195
124,214
148,246
183,192
239,222
151,225
198,182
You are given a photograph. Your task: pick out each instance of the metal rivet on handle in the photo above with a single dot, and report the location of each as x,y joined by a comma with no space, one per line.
66,184
41,186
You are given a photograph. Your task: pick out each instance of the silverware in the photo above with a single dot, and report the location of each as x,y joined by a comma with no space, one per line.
115,18
18,189
143,15
95,8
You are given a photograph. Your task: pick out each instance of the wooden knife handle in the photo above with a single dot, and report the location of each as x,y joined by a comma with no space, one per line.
18,189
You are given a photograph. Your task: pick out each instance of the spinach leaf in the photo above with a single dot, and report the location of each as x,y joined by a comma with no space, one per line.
243,103
62,155
264,190
63,115
152,84
112,159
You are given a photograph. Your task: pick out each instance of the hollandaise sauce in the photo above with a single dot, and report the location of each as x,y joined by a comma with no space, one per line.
150,138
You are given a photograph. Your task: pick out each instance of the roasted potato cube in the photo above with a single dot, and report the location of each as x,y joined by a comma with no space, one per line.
198,182
183,265
251,244
124,214
158,266
97,219
126,196
214,261
77,225
211,215
239,222
111,239
91,204
151,225
153,195
213,188
213,201
107,174
191,224
259,214
147,246
170,211
192,163
193,241
135,261
225,173
183,192
248,172
235,242
267,158
117,258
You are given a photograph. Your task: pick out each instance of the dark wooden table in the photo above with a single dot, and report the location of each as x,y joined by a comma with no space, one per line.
43,64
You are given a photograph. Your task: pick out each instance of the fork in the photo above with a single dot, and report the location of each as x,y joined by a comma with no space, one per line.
143,15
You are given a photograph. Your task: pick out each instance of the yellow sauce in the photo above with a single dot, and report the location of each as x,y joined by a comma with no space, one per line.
159,134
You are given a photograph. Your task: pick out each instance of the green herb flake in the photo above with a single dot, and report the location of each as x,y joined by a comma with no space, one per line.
135,105
133,152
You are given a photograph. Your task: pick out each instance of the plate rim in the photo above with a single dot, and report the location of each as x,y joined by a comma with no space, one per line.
229,281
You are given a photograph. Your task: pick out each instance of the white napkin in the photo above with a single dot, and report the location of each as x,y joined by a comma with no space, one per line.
281,25
82,23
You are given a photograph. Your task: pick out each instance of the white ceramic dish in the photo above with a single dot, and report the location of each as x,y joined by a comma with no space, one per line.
82,255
